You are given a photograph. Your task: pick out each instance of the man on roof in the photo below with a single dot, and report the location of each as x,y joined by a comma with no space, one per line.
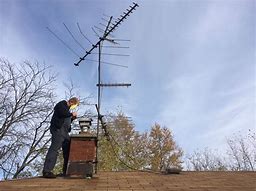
59,128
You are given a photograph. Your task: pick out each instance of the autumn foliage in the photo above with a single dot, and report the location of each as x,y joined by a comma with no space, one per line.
128,149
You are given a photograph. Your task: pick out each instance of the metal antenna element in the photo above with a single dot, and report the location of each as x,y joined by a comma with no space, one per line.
95,32
63,42
108,63
105,20
73,36
115,46
102,31
83,34
109,54
108,30
113,85
107,27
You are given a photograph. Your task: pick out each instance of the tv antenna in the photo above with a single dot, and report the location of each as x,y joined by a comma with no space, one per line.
110,25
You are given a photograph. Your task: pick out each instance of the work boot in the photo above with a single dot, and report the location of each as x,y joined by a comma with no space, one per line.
61,175
48,175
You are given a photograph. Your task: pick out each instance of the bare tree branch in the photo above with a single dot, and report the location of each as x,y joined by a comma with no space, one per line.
26,102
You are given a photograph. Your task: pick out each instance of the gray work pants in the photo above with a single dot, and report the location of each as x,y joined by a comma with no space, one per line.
60,139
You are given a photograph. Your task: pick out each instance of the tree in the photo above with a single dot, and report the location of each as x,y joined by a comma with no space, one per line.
240,155
206,160
163,150
242,152
26,102
128,149
124,148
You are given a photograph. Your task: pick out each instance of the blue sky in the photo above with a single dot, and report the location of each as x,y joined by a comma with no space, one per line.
191,64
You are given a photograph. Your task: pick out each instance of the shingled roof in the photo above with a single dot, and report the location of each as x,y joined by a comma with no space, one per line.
139,181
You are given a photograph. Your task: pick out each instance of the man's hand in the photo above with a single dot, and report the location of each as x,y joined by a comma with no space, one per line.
74,114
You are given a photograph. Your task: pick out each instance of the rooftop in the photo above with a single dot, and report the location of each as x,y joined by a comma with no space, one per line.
139,181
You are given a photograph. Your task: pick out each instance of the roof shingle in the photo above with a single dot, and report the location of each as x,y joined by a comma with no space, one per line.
139,181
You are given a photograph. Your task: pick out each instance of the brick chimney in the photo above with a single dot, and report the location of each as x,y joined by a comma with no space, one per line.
82,154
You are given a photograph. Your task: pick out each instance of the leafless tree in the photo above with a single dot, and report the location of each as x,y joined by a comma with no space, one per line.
242,152
26,102
206,160
239,156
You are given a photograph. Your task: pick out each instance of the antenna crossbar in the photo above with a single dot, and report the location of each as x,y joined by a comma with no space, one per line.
113,85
